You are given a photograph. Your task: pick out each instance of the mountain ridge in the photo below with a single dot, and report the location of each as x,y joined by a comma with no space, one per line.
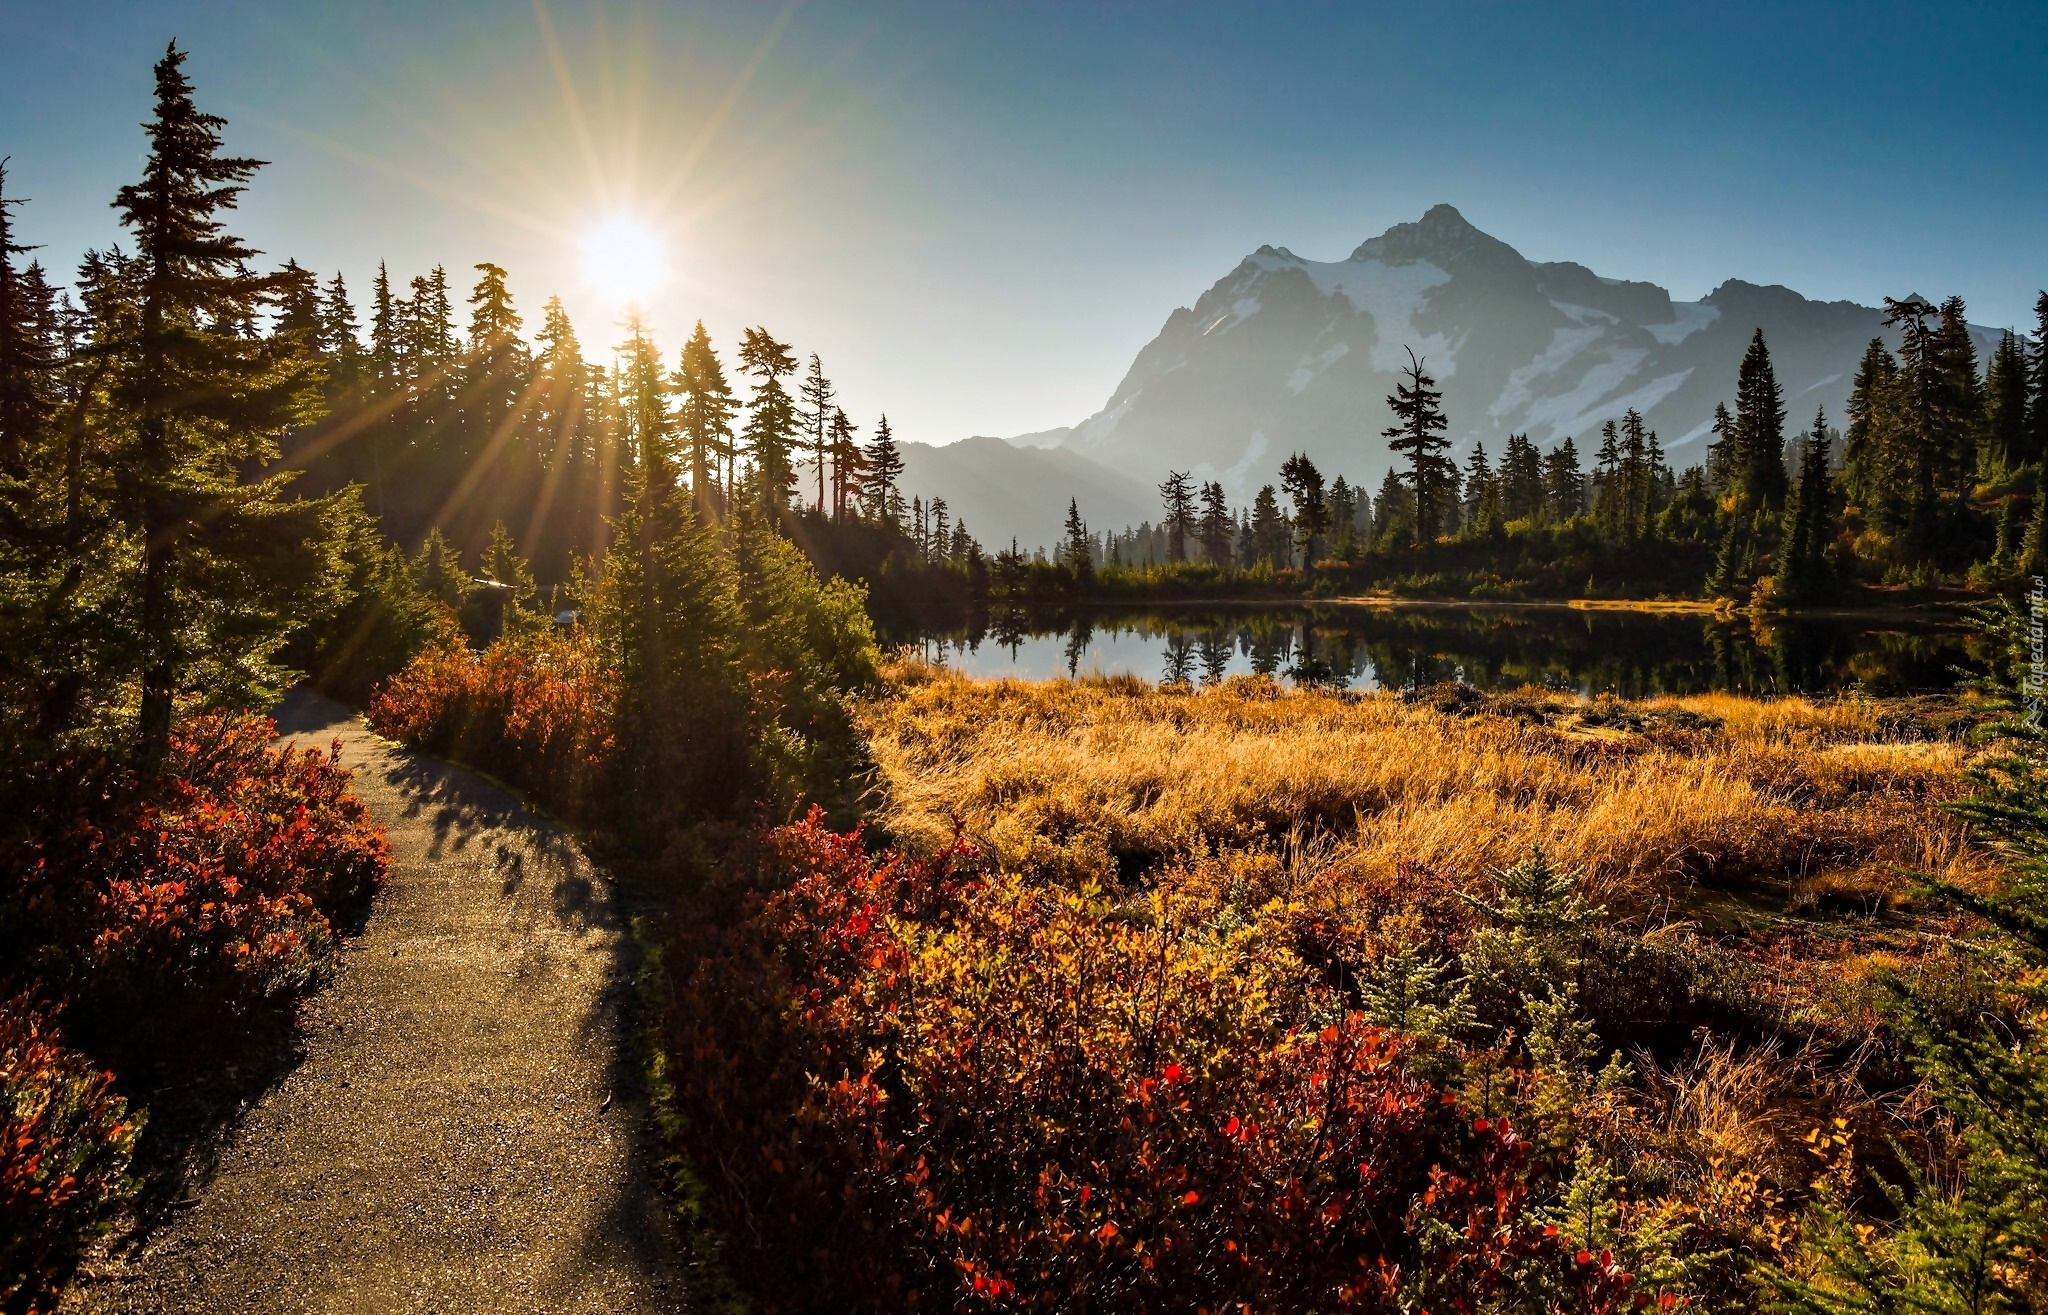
1287,354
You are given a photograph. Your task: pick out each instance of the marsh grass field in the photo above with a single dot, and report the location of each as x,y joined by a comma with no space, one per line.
1652,933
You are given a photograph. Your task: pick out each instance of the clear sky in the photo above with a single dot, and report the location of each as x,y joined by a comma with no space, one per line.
977,213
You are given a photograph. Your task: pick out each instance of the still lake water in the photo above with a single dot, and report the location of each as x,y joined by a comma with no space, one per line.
1629,653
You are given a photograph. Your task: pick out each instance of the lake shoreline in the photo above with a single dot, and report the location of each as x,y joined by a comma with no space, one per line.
1936,613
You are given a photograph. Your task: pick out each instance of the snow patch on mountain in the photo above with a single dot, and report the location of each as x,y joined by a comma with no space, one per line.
1311,366
1689,317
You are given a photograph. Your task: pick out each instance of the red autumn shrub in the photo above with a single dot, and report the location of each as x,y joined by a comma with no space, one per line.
164,911
536,710
65,1143
914,1086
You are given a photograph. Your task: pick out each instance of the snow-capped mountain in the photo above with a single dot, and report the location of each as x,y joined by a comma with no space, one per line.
1285,354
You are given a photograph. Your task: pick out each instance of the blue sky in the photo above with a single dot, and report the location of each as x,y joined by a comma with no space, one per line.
977,213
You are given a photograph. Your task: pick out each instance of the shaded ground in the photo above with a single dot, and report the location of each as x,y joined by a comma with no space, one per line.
463,1132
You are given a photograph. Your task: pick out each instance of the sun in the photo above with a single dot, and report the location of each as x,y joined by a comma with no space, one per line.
623,259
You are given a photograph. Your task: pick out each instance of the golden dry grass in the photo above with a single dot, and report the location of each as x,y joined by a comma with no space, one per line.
1106,778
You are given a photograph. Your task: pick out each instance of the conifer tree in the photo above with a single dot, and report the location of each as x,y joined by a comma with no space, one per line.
1269,529
1418,433
816,394
1564,482
1217,531
1722,467
773,421
222,561
341,340
1962,408
1802,574
1521,474
1638,475
1343,516
2037,384
495,370
2005,407
1479,488
1178,498
1920,393
1077,550
438,568
27,352
849,463
1304,486
1759,446
704,417
885,474
1609,495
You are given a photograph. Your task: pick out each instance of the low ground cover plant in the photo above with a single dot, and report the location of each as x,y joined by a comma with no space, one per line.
155,923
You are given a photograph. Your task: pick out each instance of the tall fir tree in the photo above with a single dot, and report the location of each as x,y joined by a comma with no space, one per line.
1802,572
2037,384
1177,495
816,393
883,491
704,418
1759,447
1216,529
223,561
773,421
1418,434
2005,408
1077,547
1303,484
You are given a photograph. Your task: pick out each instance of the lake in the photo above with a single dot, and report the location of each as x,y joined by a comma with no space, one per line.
1491,647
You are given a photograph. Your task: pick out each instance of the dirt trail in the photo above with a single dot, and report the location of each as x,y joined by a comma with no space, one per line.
446,1143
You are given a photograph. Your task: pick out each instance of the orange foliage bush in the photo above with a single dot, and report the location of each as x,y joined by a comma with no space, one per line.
914,1085
538,710
65,1142
161,910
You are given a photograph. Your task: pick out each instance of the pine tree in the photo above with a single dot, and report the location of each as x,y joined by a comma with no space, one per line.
27,352
223,561
1802,574
2037,384
1920,394
1418,433
341,339
1638,475
1481,491
1521,475
2005,407
1218,530
1608,493
1077,551
1268,529
849,463
1962,406
1760,429
817,393
1723,473
1343,517
1564,482
1178,497
1304,486
772,418
704,417
495,370
438,568
885,474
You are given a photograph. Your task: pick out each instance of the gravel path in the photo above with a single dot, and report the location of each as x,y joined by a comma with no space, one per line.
462,1133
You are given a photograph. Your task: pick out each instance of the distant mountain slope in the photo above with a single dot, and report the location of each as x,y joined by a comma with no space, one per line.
1287,354
1008,492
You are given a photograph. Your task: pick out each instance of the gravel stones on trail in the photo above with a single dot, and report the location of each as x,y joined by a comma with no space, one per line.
450,1141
